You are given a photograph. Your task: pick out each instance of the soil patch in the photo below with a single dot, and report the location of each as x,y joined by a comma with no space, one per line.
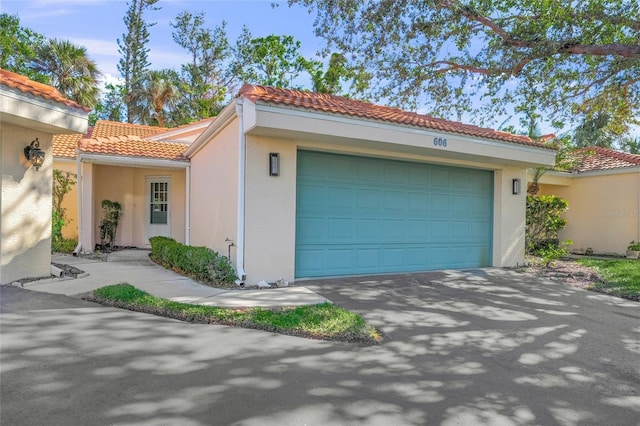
565,271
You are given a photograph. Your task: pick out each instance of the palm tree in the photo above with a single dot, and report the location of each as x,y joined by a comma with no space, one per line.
161,92
69,70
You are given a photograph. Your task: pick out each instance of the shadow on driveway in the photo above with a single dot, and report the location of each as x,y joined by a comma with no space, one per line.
481,347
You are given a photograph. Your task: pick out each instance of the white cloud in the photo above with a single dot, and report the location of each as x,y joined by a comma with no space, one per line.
97,47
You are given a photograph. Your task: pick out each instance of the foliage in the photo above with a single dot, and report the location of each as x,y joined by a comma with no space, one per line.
111,215
111,106
271,61
552,251
622,277
18,47
206,78
331,80
134,62
64,245
160,92
559,58
63,183
69,69
544,221
202,263
593,132
634,246
323,321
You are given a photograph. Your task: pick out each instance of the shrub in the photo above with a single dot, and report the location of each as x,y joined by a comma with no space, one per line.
634,246
544,221
202,263
63,245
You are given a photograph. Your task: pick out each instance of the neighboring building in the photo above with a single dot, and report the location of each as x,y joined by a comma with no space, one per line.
29,111
65,159
603,192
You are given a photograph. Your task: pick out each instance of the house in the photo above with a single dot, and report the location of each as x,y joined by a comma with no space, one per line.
31,114
603,192
295,184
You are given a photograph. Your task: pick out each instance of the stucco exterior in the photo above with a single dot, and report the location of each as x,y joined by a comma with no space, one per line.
214,193
604,209
29,110
70,201
271,205
25,227
267,206
128,186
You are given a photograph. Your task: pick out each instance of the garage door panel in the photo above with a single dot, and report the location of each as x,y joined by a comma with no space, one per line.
360,215
439,204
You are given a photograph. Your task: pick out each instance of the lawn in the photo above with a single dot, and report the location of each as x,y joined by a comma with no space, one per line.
324,321
622,277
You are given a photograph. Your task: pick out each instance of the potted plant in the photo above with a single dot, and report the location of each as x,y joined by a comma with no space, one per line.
633,250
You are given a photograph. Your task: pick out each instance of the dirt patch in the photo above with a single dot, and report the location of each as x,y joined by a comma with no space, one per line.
565,271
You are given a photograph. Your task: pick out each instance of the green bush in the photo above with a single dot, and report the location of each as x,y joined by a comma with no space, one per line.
202,263
544,221
63,245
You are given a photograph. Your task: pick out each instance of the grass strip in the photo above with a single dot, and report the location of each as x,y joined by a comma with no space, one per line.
622,277
324,321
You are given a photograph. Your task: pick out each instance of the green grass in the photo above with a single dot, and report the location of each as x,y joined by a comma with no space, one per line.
622,277
324,321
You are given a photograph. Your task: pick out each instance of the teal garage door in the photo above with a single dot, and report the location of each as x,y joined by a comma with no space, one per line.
358,215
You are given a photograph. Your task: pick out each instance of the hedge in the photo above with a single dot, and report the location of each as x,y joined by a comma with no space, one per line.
201,263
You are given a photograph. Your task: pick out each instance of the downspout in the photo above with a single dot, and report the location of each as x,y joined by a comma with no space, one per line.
242,153
187,219
76,251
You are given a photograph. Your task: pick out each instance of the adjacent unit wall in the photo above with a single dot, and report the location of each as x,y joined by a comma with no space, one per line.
604,210
70,201
214,192
25,219
127,185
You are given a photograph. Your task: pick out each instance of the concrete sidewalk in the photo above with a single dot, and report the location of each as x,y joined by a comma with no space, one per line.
135,267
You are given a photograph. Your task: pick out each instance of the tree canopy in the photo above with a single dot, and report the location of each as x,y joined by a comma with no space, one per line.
564,61
68,68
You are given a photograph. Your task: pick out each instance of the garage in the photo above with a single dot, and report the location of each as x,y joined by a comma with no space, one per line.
363,215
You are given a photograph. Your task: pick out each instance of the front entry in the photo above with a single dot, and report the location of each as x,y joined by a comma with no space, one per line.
158,211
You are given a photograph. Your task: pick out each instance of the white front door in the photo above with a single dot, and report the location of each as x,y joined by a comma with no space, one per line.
158,208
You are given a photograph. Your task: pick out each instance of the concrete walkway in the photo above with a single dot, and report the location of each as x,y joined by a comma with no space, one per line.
135,267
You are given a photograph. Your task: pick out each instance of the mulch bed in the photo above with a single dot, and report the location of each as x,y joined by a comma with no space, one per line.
565,271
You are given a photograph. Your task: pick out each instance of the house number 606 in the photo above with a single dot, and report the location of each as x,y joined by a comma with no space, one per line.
440,142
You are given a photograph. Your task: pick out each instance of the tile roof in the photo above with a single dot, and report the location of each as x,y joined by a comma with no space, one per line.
597,158
132,146
64,146
25,85
340,105
105,128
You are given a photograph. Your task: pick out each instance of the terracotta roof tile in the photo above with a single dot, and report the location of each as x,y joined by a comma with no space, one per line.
132,146
597,158
25,85
104,128
345,106
64,146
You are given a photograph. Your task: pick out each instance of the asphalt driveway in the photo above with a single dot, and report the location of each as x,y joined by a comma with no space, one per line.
486,347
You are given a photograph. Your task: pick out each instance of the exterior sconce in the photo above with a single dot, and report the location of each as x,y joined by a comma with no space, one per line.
515,186
34,154
274,164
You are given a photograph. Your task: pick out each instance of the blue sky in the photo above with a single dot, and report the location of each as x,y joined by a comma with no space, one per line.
97,24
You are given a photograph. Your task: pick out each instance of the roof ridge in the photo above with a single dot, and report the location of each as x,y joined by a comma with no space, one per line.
367,110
